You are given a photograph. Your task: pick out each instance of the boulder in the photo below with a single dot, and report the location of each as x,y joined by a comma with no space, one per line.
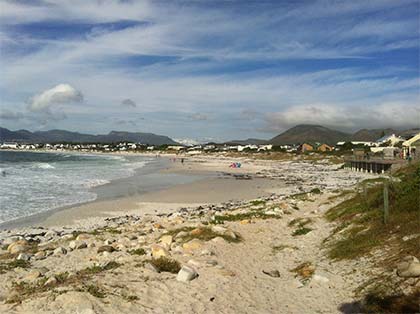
32,276
159,251
106,248
192,245
76,244
60,251
166,239
409,267
23,257
186,274
18,247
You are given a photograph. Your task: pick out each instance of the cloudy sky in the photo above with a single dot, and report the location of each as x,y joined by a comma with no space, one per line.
208,69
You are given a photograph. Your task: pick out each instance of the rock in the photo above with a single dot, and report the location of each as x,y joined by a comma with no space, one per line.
194,263
51,281
159,251
105,248
410,237
166,239
192,245
272,273
18,247
320,278
109,241
32,275
23,257
245,222
206,252
91,245
151,267
197,231
158,226
39,255
181,234
211,262
60,251
409,267
83,236
77,245
186,274
218,229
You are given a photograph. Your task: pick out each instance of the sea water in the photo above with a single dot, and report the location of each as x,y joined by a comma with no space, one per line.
32,182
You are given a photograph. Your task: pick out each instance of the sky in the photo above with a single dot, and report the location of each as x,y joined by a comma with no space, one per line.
209,70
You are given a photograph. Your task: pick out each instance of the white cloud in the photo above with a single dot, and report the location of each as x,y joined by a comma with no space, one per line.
396,115
60,94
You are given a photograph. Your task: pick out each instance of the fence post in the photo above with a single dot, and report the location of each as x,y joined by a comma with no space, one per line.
386,202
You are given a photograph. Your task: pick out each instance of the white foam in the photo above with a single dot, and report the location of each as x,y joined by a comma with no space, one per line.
43,165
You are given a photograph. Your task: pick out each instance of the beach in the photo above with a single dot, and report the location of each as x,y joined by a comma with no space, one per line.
234,234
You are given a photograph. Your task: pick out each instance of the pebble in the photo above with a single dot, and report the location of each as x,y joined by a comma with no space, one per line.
106,248
272,273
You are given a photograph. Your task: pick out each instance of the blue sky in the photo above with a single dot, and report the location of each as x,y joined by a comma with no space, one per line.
209,70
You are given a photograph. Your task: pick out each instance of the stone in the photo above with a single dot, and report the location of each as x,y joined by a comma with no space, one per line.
192,245
158,226
409,267
272,273
109,241
181,234
245,222
159,251
166,239
18,247
211,262
91,245
320,278
218,229
106,248
206,252
39,255
51,281
83,236
32,276
151,267
194,263
197,231
23,257
186,274
77,245
60,251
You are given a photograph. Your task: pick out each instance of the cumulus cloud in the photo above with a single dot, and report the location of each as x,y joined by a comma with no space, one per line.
397,115
60,94
128,103
7,114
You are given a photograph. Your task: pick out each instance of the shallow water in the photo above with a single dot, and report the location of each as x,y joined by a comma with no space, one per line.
31,183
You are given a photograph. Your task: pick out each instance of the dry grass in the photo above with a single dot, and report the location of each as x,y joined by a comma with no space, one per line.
164,264
304,271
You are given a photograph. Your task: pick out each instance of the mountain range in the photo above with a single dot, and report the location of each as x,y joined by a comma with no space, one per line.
56,136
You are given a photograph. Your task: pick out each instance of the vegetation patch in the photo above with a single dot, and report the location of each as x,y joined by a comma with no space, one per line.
4,267
278,248
207,234
316,191
220,219
164,264
362,215
300,223
301,231
257,202
139,251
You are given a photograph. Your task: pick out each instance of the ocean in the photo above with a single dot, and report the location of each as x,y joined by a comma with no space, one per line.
32,182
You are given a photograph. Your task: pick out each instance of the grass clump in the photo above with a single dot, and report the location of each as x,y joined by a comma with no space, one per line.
315,191
139,251
220,219
301,223
362,215
98,269
164,264
278,248
257,202
95,291
301,231
4,267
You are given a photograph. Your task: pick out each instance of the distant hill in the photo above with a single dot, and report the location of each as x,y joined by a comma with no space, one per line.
249,141
309,133
56,136
371,135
